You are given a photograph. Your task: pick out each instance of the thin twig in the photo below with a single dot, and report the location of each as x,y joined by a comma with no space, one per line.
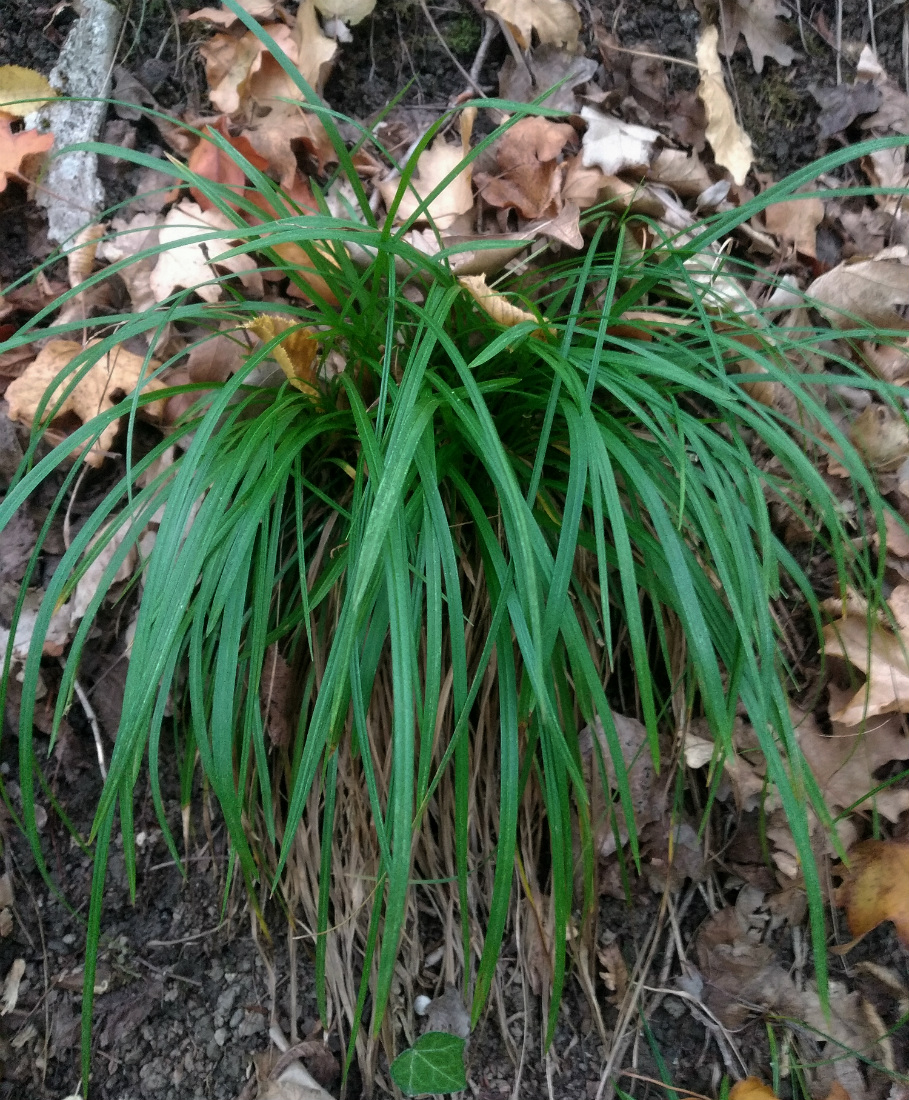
93,722
490,30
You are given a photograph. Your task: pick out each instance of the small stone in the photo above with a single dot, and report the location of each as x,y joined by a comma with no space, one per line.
221,1036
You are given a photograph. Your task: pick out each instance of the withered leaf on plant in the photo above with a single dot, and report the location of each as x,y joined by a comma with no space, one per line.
296,351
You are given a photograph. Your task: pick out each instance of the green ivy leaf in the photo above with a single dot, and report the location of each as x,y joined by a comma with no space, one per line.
435,1063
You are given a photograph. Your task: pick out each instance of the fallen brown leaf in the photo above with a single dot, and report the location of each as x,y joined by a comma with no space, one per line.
435,163
875,887
758,21
872,291
18,150
795,221
527,156
555,21
186,263
117,372
731,145
499,308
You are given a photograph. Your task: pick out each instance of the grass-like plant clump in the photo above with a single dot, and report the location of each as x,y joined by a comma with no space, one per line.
466,541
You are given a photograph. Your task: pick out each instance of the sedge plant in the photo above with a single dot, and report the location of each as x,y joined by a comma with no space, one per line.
453,539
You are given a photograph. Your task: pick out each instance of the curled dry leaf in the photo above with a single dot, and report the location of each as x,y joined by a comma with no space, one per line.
22,90
555,21
528,177
875,887
731,145
875,291
116,373
296,351
614,145
499,308
11,983
435,163
80,260
18,151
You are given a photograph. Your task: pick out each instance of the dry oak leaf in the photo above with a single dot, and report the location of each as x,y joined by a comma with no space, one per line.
758,21
614,145
528,180
875,887
16,149
435,163
189,264
555,21
883,658
875,291
115,373
796,221
295,352
213,163
228,64
22,90
731,145
315,51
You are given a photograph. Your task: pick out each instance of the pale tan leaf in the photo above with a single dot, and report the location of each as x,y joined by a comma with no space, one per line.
351,11
795,221
555,21
529,176
80,260
117,372
731,145
496,305
875,291
684,173
188,265
315,52
876,887
435,163
882,657
614,145
882,436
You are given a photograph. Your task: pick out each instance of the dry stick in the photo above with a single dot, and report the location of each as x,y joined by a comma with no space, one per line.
470,80
93,721
490,29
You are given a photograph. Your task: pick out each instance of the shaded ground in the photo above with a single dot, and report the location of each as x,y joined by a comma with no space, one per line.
188,1000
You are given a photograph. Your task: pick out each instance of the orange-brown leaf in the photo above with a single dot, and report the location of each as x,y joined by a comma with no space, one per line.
296,351
216,164
875,887
15,148
752,1088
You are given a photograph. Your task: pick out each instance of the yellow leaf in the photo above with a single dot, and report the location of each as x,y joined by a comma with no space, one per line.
22,90
731,145
351,11
752,1088
114,373
876,887
496,305
296,352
